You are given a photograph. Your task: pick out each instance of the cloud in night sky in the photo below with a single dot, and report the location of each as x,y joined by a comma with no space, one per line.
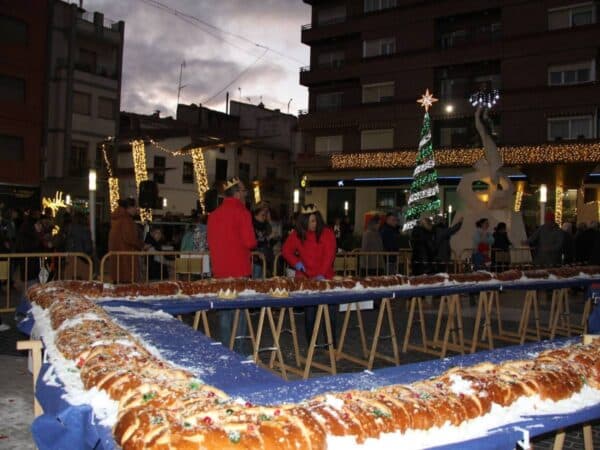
157,42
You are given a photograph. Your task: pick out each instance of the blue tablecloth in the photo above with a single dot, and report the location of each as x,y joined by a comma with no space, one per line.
64,426
203,303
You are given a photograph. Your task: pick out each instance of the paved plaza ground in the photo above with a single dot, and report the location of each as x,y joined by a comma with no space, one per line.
16,398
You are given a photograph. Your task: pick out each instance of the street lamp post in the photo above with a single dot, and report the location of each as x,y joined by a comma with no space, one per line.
92,204
296,199
543,200
346,207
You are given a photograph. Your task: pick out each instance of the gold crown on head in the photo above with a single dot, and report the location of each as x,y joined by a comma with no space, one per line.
231,183
309,209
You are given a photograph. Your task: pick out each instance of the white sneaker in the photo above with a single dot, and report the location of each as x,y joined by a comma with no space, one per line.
4,327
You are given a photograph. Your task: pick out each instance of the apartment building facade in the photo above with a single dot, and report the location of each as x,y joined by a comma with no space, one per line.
371,59
24,51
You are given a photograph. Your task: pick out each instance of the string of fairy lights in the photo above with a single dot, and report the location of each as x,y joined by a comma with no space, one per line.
460,157
113,182
138,153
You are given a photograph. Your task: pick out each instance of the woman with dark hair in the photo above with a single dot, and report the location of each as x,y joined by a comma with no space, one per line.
482,244
310,250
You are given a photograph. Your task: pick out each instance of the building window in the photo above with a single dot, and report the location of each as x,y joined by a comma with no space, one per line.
11,148
12,89
325,145
568,128
377,139
244,173
331,59
187,173
87,60
571,16
379,47
330,15
378,93
576,73
78,161
160,165
390,199
106,108
453,38
378,5
12,31
82,103
330,101
220,169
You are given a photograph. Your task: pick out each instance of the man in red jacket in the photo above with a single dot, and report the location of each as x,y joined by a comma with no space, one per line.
230,238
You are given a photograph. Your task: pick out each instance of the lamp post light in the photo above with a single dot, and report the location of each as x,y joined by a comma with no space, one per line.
296,199
165,202
92,203
449,214
68,200
543,200
346,208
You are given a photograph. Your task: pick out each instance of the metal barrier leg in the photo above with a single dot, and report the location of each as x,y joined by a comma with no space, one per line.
35,347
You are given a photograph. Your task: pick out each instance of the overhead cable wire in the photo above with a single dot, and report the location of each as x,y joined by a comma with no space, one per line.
193,20
237,77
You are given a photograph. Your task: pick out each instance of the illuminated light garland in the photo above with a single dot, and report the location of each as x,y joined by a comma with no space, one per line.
465,157
420,195
55,203
486,99
423,167
518,197
113,193
138,152
558,204
418,183
200,174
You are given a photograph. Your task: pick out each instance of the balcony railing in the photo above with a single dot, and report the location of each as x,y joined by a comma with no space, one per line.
324,23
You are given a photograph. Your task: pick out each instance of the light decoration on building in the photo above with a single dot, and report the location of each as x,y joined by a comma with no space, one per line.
113,182
519,197
558,204
485,99
465,157
200,174
138,151
55,203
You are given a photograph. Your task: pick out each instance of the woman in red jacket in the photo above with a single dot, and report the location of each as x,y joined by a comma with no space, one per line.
310,249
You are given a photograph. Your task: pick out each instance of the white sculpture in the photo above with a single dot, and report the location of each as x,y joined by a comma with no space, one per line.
493,199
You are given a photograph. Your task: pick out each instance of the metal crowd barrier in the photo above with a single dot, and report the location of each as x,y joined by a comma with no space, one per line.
16,272
135,266
359,263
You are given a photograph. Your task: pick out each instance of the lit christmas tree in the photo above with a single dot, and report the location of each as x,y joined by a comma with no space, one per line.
424,190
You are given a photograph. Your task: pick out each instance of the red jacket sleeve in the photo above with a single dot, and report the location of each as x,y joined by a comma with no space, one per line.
247,232
329,248
289,249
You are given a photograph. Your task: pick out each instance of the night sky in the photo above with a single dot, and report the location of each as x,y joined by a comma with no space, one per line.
157,41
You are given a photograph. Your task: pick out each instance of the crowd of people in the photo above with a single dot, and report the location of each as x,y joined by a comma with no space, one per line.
309,246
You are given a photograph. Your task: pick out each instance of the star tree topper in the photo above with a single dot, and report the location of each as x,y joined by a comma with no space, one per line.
427,100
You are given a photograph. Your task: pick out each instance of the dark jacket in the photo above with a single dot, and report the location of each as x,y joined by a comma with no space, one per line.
584,244
548,243
443,233
156,262
29,241
79,239
422,242
390,237
568,248
264,243
500,251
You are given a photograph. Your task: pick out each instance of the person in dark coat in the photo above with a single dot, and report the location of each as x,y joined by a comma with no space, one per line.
442,234
568,249
501,248
548,243
584,242
422,241
390,237
264,241
158,265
